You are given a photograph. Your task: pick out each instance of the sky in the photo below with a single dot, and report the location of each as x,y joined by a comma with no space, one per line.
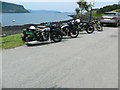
58,5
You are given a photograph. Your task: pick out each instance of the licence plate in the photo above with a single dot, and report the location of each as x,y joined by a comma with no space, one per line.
106,19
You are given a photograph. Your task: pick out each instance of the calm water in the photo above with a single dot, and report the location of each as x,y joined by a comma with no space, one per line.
10,19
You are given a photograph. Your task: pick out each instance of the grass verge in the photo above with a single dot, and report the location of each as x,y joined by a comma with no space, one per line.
11,41
117,10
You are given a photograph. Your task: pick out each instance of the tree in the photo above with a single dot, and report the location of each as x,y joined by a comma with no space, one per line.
77,10
82,5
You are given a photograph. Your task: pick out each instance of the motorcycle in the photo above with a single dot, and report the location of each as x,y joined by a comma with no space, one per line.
69,30
37,35
97,25
84,25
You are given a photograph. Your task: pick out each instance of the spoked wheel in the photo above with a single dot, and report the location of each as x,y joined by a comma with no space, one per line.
25,39
99,27
90,29
57,38
74,33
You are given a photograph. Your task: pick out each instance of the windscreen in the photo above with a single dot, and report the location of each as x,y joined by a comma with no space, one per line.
110,14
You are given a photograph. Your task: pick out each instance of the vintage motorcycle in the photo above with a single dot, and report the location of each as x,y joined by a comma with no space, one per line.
68,29
97,25
84,26
34,35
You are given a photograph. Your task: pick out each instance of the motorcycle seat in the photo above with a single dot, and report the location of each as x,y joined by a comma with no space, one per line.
84,22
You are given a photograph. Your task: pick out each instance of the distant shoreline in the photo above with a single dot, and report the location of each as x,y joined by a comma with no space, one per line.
10,30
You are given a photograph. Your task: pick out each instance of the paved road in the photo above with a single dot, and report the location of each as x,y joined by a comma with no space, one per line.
0,69
89,61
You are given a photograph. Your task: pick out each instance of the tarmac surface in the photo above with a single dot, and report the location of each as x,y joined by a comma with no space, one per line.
89,61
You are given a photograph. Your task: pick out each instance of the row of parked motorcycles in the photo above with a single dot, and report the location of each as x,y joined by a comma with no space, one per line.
56,32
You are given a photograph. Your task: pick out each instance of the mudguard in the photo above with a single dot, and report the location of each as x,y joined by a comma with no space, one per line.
57,31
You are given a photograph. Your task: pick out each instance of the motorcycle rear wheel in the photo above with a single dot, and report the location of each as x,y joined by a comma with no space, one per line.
99,27
74,33
57,38
90,29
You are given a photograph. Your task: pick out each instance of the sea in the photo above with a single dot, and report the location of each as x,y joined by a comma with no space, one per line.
11,19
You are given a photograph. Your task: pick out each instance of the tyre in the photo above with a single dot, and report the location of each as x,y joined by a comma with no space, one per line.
99,27
117,24
27,39
23,38
56,37
74,33
90,29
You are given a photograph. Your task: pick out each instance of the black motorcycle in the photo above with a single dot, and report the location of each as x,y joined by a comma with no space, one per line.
97,25
84,26
69,30
38,35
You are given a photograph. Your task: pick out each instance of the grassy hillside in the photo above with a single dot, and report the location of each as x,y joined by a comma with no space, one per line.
108,8
12,8
117,10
